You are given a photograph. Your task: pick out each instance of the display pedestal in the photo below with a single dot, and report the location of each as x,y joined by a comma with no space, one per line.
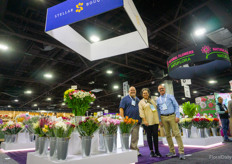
198,142
17,146
122,157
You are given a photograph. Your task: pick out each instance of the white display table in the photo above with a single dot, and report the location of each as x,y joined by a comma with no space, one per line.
121,157
197,142
17,146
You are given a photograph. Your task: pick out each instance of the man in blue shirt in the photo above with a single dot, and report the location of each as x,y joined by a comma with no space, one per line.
169,114
129,107
222,110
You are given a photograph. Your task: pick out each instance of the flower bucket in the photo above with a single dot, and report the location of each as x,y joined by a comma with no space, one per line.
115,136
201,132
43,146
52,147
214,131
101,143
36,143
125,141
86,146
13,138
109,143
7,138
187,133
62,148
207,132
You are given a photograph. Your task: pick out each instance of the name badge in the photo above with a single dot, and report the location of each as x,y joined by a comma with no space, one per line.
152,107
133,103
164,107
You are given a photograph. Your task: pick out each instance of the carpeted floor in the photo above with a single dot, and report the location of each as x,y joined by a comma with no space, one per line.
194,155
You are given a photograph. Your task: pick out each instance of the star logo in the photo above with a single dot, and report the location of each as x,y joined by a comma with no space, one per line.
79,7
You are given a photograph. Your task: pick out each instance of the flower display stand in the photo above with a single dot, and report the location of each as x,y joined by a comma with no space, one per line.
197,142
122,157
22,142
17,146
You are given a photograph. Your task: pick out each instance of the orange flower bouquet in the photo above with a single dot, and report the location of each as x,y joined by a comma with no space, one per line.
127,124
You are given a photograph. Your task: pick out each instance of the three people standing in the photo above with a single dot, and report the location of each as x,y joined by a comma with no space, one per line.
166,113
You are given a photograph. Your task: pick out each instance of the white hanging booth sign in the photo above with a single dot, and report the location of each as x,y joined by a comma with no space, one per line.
59,18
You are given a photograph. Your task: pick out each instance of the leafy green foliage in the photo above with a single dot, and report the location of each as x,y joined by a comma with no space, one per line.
189,109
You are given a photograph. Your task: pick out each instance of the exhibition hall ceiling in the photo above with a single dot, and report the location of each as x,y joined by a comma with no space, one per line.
32,53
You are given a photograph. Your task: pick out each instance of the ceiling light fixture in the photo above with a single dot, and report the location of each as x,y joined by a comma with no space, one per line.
200,32
3,47
16,100
63,104
35,105
49,99
183,98
119,96
157,94
94,38
48,75
9,106
116,86
194,91
28,92
109,72
212,81
98,106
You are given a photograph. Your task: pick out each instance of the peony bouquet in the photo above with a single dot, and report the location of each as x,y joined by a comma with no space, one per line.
88,126
110,126
201,122
63,129
12,128
78,101
186,123
127,124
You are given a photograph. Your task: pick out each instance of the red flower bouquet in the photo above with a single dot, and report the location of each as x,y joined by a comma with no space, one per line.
201,122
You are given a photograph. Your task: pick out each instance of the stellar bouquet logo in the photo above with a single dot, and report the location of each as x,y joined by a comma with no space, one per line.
79,7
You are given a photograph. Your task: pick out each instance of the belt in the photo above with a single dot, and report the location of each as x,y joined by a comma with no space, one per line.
167,114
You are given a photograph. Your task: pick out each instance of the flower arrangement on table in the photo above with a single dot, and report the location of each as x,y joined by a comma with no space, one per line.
12,128
22,117
41,127
110,126
29,123
88,126
62,129
78,101
186,123
214,122
201,122
127,124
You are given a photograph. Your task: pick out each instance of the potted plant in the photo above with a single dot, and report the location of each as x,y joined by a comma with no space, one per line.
189,109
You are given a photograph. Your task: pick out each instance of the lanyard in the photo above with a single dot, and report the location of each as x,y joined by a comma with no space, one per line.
164,99
132,99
